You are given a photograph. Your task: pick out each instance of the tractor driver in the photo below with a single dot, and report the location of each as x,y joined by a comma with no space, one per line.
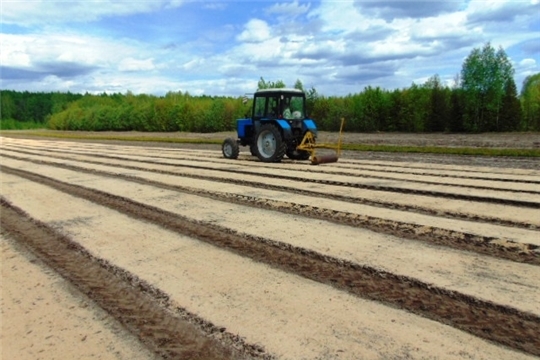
287,111
273,108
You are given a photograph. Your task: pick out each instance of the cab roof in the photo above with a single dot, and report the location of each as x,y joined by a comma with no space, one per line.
279,91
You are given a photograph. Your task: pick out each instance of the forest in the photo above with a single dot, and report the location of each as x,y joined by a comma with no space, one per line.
483,98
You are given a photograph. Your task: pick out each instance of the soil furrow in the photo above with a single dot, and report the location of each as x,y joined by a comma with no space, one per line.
386,188
438,194
455,176
214,159
489,174
479,187
296,190
386,170
486,245
513,284
497,323
372,176
170,332
482,164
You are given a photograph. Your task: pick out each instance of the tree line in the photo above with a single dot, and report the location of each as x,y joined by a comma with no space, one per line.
31,109
483,98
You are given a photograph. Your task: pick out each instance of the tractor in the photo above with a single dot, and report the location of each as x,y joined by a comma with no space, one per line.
278,126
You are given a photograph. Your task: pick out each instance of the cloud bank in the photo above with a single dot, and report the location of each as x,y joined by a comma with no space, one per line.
222,48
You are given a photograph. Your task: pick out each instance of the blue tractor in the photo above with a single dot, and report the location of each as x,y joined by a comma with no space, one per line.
278,126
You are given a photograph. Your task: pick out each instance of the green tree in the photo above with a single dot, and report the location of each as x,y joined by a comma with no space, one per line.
510,116
262,84
455,123
530,102
395,118
7,105
312,96
439,109
320,111
414,109
484,75
371,109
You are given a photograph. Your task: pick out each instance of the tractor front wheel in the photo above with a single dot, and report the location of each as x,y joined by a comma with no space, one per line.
230,148
269,146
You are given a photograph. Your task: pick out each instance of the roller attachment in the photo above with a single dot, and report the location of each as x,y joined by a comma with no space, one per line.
308,144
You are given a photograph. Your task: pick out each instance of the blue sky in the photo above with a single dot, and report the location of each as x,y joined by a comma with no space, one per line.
224,47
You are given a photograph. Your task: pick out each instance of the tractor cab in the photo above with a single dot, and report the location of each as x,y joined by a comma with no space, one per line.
288,104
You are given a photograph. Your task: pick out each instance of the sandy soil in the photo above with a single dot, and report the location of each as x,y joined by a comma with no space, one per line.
45,317
290,316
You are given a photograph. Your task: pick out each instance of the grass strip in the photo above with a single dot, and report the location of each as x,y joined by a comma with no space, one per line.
117,138
444,150
475,151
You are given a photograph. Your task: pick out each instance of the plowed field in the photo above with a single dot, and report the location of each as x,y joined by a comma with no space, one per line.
147,251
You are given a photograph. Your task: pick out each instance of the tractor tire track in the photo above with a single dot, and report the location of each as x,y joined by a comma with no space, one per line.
478,187
172,333
261,185
491,246
214,160
456,176
501,324
118,154
345,173
386,188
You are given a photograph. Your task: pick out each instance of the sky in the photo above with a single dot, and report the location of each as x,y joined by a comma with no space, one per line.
216,48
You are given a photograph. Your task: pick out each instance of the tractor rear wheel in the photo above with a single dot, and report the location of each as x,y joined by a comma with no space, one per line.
269,145
230,148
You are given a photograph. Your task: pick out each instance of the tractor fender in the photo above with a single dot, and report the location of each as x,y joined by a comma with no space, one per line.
241,126
286,130
309,125
282,125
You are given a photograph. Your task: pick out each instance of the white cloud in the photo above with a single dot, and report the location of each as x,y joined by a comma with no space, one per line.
524,68
527,63
391,9
194,64
341,17
255,31
131,64
336,46
14,51
527,67
288,9
61,47
441,27
215,6
54,11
